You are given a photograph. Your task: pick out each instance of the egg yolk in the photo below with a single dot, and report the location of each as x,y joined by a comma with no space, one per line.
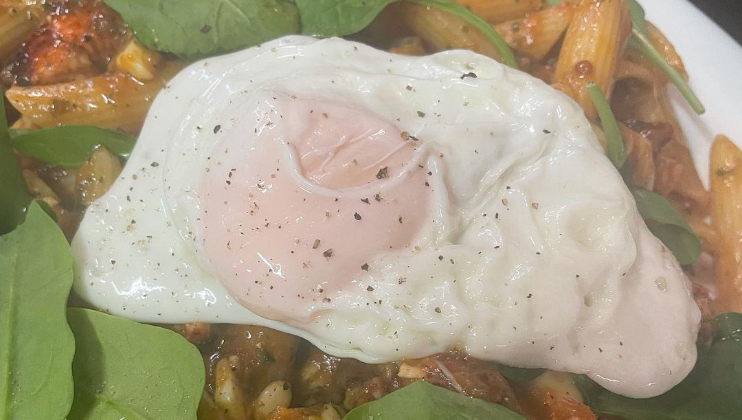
293,217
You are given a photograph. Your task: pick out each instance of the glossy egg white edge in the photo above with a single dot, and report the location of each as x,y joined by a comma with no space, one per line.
145,268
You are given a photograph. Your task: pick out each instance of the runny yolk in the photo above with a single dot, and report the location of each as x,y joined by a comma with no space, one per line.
296,213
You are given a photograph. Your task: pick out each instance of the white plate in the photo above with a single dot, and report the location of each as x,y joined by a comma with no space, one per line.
714,63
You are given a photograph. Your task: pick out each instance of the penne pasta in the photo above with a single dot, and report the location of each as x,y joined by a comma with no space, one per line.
726,191
16,24
676,174
496,11
115,101
593,45
443,31
640,156
409,46
537,34
665,47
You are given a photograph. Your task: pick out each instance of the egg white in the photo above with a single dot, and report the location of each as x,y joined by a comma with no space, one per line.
534,255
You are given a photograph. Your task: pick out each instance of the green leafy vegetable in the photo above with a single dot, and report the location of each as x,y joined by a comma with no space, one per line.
124,369
614,147
70,146
514,374
710,392
198,28
640,41
668,225
345,17
36,345
423,401
14,196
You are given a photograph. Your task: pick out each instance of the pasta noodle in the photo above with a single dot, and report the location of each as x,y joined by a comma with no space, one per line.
496,11
592,46
536,35
443,31
726,190
115,101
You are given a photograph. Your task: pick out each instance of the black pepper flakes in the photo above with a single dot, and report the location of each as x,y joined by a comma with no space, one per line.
377,197
370,289
470,74
440,258
437,310
400,219
205,29
217,128
383,173
154,164
420,114
328,253
366,200
357,216
364,267
316,244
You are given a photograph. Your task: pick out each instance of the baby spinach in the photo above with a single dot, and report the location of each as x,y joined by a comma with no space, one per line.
668,225
345,17
36,344
70,146
710,392
641,42
124,369
14,196
423,401
614,147
199,28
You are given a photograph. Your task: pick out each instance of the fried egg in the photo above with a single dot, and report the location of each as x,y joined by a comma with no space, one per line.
387,207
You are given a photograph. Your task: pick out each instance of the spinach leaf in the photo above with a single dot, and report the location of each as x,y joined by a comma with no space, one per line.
345,17
14,196
124,369
668,225
70,146
36,345
514,374
640,41
614,147
710,392
423,401
199,28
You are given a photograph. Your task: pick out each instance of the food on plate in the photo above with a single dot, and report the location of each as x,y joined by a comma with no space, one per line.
421,209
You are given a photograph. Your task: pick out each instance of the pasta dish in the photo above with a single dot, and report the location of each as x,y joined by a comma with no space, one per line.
325,209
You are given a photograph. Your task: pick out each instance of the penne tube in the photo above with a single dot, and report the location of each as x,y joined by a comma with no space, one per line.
666,49
409,46
536,35
113,101
594,43
676,174
496,11
16,24
726,192
640,156
444,31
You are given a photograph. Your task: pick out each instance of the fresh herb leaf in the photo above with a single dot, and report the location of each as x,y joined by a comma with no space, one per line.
614,147
199,28
14,196
423,401
710,392
36,344
70,146
668,225
514,374
345,17
641,42
124,369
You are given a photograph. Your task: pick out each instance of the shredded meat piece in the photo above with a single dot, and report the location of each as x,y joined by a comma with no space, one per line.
466,375
77,41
